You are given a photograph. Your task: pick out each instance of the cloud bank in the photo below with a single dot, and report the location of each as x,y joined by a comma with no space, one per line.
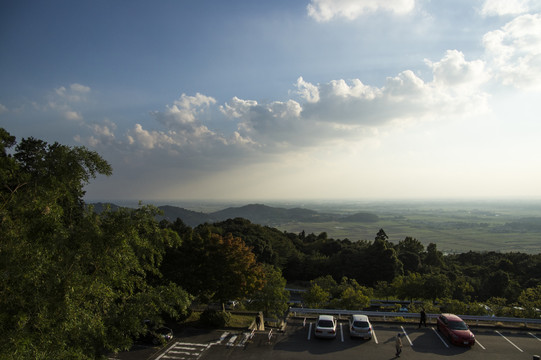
338,111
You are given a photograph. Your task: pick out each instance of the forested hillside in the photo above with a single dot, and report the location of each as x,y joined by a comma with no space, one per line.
77,283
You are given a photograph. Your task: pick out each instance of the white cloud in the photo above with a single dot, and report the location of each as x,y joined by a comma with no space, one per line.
149,139
453,71
515,51
184,111
455,89
73,115
325,10
75,93
237,108
307,91
3,108
504,7
268,124
78,88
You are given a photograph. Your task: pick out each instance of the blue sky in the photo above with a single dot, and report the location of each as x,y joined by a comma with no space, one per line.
255,100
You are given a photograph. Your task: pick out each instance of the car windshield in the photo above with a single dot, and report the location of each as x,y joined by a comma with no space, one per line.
457,325
325,323
361,324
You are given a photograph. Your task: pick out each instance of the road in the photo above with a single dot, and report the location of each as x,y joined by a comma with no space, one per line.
298,342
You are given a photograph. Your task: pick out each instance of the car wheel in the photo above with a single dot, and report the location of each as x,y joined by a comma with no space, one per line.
438,327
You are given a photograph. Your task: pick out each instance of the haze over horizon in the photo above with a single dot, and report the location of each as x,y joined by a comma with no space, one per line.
313,99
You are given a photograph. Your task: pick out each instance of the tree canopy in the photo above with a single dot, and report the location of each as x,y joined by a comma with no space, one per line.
73,284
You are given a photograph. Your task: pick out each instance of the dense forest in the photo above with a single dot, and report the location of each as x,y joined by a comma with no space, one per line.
78,284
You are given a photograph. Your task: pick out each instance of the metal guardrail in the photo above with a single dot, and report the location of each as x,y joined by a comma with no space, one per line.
386,315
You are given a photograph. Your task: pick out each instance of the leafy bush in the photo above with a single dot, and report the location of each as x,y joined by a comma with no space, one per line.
213,318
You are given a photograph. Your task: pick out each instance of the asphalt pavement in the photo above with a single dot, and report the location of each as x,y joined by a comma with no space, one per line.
297,341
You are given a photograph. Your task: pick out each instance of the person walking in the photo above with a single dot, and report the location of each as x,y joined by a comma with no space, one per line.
423,318
398,345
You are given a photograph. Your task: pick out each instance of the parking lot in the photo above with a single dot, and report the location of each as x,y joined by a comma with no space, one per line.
298,342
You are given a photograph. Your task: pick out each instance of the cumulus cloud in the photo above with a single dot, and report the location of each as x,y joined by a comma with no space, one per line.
325,10
307,91
66,100
73,115
504,7
149,139
75,93
324,113
349,109
454,72
269,124
184,112
340,110
515,51
455,88
101,134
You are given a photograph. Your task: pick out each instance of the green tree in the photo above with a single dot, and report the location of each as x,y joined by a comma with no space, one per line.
383,289
381,261
433,256
409,253
272,298
215,267
530,299
316,297
74,284
409,286
436,286
326,282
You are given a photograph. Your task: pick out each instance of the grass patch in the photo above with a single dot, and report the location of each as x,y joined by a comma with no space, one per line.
235,321
240,321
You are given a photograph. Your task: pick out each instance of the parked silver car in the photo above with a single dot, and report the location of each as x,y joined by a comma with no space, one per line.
359,326
326,326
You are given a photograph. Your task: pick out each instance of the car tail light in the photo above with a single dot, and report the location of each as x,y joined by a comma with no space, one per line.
332,331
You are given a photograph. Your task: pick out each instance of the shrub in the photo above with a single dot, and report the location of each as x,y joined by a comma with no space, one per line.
213,318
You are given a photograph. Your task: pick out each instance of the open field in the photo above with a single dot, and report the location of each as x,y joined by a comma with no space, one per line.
454,227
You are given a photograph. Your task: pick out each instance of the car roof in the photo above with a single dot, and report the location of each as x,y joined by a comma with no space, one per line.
452,317
359,317
326,317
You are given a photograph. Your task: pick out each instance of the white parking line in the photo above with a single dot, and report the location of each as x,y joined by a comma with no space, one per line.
180,350
534,336
407,337
374,335
232,340
478,343
509,341
165,352
224,335
443,341
309,331
341,332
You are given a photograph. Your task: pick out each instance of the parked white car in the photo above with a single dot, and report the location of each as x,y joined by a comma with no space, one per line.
359,326
326,326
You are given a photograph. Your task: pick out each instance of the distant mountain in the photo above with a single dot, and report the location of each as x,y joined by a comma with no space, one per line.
362,217
265,215
255,213
189,217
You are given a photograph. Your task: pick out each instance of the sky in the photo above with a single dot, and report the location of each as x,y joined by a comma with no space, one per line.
287,99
